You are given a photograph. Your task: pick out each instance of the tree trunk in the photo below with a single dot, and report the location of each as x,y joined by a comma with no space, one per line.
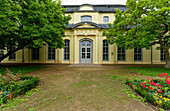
167,59
9,53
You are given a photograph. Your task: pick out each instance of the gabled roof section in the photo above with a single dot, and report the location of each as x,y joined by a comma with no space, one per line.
96,8
91,24
94,25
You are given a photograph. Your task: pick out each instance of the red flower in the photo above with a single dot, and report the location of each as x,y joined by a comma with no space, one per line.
159,91
160,75
140,74
150,87
144,86
133,74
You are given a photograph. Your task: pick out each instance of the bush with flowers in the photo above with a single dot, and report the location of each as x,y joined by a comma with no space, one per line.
155,91
14,85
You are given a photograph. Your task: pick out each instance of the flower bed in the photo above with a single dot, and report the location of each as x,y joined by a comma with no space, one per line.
155,91
13,85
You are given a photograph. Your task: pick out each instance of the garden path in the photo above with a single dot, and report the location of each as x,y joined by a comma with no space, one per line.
64,88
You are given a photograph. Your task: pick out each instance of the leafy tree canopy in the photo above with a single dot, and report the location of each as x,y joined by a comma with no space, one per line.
31,22
145,23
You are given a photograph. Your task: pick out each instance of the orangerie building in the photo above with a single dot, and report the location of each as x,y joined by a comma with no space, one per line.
84,42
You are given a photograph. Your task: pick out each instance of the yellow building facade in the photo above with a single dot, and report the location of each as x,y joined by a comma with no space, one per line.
84,42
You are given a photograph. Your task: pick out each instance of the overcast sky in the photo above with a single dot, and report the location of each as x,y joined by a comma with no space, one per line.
79,2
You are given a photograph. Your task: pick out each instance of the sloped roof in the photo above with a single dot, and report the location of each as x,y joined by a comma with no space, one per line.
98,8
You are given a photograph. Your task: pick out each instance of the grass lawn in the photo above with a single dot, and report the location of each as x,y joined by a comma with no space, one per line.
22,69
149,71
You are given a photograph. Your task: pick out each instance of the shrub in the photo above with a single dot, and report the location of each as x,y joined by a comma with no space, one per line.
15,85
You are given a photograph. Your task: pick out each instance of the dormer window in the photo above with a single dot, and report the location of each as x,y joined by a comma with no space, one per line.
86,18
105,19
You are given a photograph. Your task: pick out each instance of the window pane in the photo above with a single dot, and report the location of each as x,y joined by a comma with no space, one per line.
88,55
86,18
88,43
88,49
12,56
35,54
83,43
51,53
83,55
137,54
121,54
67,50
163,55
105,50
83,49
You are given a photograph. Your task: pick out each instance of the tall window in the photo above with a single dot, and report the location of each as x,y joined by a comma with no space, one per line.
35,54
121,55
105,19
163,55
13,55
137,54
1,53
86,18
105,50
67,50
51,53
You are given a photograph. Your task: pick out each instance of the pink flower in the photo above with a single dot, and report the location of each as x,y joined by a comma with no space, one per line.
156,88
160,86
165,74
159,91
155,84
168,81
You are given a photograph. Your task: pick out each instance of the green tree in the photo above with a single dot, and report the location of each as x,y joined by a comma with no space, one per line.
31,22
145,23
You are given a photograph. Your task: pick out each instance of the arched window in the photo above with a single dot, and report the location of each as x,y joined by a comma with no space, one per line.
105,50
67,50
86,18
105,19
